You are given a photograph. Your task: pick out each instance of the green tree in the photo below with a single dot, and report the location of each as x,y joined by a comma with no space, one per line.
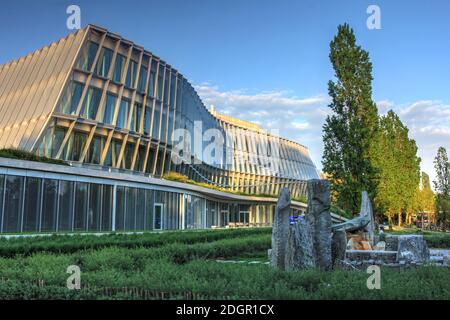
395,156
351,128
442,185
426,197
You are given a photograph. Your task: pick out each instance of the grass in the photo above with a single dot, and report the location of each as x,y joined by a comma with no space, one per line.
187,268
24,155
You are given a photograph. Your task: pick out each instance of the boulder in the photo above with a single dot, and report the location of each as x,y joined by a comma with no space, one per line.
391,242
299,246
412,248
381,245
338,247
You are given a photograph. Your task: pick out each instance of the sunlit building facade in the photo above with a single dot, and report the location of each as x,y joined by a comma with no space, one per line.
108,108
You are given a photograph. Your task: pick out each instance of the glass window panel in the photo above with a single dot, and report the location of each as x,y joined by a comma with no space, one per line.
156,121
136,117
160,82
66,203
104,62
140,209
118,69
49,205
147,119
142,78
71,98
128,157
130,218
151,84
109,108
13,204
79,140
95,207
91,103
120,208
123,113
81,202
2,182
87,56
32,204
131,74
93,155
157,221
107,206
148,217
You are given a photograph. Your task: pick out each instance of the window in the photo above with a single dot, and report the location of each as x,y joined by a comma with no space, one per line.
87,56
49,205
118,69
123,113
131,74
151,84
13,204
136,118
95,207
157,218
71,98
107,208
147,119
81,205
142,78
130,216
156,121
160,82
66,203
32,204
75,146
109,108
104,62
120,208
94,152
91,103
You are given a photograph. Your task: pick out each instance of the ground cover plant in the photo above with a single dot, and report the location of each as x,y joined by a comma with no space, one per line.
197,265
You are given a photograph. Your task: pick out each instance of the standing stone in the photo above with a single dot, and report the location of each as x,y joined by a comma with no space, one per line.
413,248
366,210
391,242
338,247
319,201
280,229
299,246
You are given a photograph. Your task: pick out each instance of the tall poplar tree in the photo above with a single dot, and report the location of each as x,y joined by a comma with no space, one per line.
395,156
350,130
442,185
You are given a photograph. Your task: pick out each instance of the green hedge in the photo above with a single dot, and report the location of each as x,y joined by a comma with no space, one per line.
72,243
24,155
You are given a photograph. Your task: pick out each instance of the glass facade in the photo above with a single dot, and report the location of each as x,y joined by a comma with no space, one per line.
35,204
134,101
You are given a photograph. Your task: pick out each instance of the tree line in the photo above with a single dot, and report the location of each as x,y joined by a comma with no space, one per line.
366,151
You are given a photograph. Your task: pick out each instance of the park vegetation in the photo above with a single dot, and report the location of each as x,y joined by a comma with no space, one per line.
184,265
367,151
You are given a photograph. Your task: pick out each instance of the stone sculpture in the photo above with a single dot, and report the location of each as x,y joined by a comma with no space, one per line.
363,221
338,247
299,246
319,202
280,229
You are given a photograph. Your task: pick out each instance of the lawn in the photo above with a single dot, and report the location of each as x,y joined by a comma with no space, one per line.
184,265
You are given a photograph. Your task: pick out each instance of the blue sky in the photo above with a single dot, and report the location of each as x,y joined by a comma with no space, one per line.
267,61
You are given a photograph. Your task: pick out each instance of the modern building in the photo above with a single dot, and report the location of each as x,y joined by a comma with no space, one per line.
125,121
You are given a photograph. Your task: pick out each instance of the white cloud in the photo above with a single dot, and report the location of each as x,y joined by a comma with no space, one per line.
298,119
301,119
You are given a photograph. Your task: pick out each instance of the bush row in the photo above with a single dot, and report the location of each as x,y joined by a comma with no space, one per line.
72,243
